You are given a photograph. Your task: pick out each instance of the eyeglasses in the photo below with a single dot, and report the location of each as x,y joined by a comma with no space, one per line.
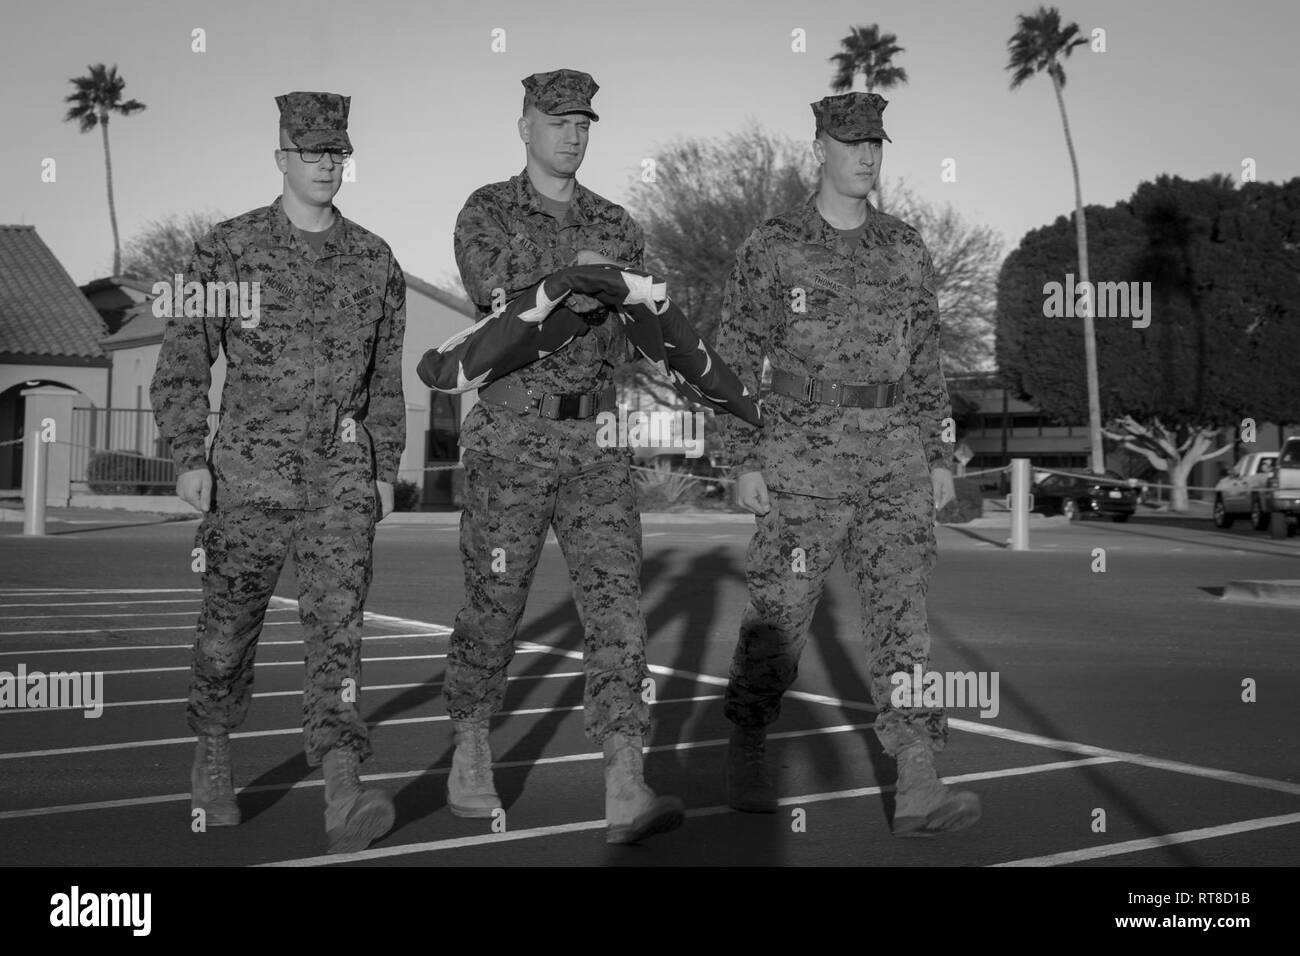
337,156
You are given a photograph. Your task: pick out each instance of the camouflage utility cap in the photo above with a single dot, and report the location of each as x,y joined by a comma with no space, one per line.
851,117
561,91
315,120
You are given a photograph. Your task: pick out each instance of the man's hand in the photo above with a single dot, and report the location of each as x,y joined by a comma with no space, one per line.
385,490
751,493
586,304
944,491
195,487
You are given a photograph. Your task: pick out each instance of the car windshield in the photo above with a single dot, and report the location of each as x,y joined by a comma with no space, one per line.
1291,455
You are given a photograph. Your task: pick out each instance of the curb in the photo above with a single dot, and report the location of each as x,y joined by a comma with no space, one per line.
1284,591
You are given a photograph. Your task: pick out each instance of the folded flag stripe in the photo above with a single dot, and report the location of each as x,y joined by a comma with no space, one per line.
535,324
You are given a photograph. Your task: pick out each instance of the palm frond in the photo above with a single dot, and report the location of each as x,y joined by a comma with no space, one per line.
1039,44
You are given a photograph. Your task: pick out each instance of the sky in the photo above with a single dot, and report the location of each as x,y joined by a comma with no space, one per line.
1189,88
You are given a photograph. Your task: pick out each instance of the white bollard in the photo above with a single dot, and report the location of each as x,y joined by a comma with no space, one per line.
1020,501
34,487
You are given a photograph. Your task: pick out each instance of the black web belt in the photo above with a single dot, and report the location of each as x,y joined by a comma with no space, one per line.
555,407
833,393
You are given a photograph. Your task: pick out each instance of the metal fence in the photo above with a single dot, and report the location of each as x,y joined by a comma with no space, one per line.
118,451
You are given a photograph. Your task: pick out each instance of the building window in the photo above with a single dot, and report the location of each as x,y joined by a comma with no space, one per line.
444,428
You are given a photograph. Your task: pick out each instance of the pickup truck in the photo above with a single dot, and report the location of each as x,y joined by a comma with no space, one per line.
1281,495
1240,493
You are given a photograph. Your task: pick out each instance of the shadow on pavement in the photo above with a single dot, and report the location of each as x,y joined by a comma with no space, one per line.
1232,542
1040,724
844,661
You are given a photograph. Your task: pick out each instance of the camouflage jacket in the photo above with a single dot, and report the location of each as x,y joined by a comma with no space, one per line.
312,410
817,305
506,241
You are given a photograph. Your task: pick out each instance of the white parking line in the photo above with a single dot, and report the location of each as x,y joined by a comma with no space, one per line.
282,693
1002,733
102,603
1141,760
34,651
186,667
119,630
434,846
971,726
59,592
403,775
394,722
1156,842
99,614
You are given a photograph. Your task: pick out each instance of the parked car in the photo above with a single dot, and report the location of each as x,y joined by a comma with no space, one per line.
1281,497
1240,493
1078,494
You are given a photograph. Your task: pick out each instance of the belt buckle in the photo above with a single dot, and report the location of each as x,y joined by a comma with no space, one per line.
810,389
548,406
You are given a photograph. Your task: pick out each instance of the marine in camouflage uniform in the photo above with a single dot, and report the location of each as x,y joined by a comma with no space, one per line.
312,419
532,462
850,453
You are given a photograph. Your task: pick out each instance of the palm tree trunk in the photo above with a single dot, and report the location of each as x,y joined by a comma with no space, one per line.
112,210
1089,325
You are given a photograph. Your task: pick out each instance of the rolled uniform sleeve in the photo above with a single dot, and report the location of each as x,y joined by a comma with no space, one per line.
183,376
744,338
387,416
925,394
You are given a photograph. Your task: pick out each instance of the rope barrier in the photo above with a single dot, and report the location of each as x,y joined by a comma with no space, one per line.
985,471
1122,482
678,474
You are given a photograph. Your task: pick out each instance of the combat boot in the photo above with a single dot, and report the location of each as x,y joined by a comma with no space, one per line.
922,805
470,790
354,817
632,810
212,786
749,787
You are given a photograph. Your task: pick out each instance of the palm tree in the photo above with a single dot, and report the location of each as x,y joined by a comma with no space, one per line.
1038,45
869,52
98,94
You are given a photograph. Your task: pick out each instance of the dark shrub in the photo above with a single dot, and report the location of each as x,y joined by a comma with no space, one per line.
116,473
968,504
406,495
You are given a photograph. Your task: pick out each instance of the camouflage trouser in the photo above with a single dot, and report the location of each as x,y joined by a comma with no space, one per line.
244,550
885,536
508,508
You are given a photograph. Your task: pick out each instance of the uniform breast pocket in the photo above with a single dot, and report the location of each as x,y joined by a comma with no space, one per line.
353,335
260,339
818,305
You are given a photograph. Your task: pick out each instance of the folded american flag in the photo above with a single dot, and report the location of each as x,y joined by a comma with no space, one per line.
534,324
